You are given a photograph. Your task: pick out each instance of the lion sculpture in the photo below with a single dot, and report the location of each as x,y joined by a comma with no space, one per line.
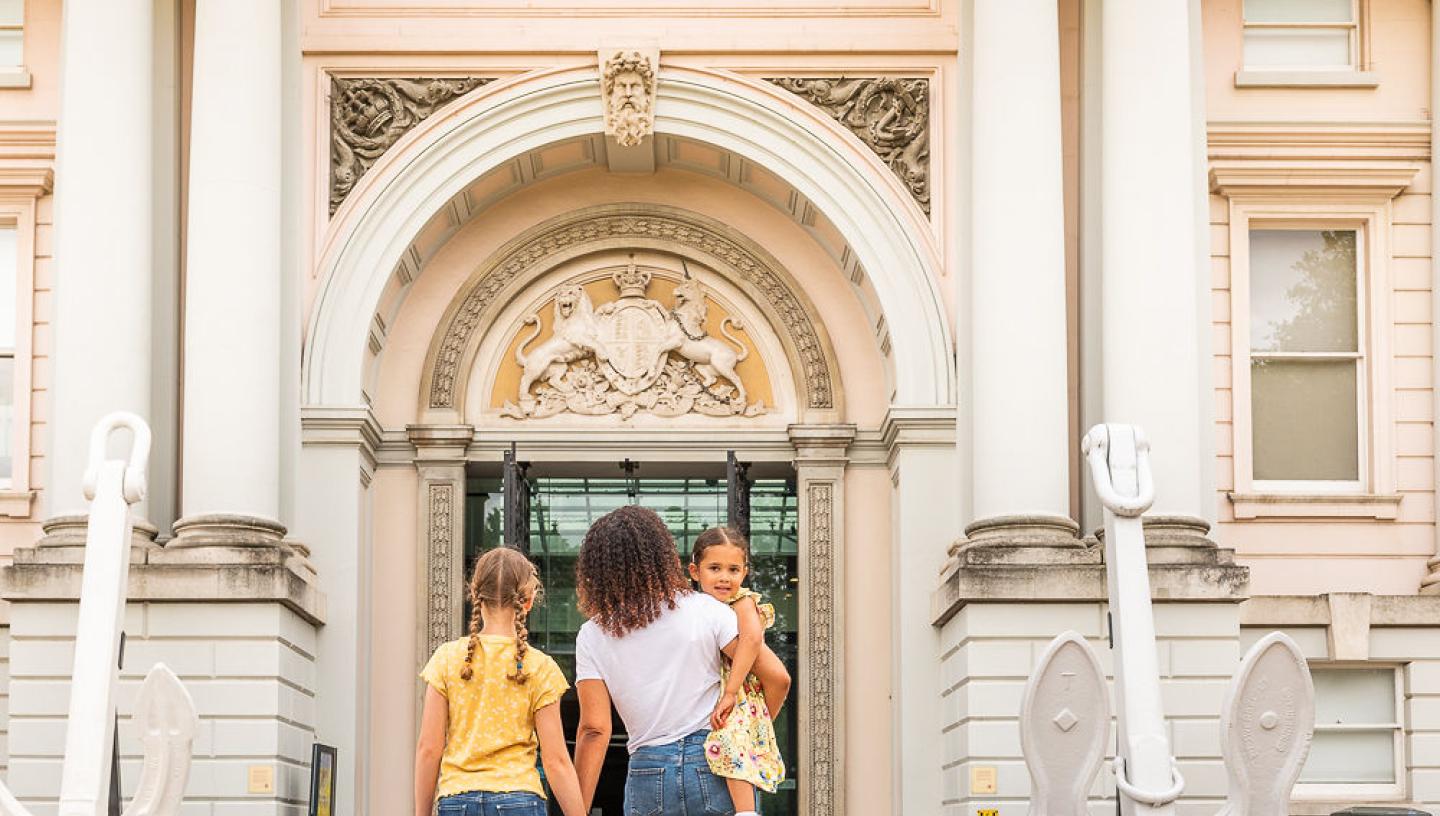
712,357
572,337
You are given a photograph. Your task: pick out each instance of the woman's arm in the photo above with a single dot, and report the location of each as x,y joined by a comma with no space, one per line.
556,758
429,748
592,737
748,645
774,679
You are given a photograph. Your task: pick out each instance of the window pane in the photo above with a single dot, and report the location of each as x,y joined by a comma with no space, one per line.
1349,757
1299,11
1297,48
1354,696
7,414
11,49
12,12
1302,290
1304,420
9,258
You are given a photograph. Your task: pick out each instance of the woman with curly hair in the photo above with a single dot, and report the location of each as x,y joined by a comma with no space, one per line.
653,648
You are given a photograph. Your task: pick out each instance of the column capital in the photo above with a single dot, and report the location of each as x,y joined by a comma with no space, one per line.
820,445
440,443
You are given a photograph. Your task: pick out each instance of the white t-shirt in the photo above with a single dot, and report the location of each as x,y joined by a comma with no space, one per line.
664,679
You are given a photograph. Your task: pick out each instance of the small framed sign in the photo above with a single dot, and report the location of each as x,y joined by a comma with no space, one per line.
322,780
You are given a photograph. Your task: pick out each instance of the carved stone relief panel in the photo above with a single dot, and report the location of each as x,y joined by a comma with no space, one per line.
441,557
750,271
890,115
369,114
820,499
631,353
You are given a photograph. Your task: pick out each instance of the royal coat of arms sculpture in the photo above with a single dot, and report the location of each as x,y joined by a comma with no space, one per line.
630,355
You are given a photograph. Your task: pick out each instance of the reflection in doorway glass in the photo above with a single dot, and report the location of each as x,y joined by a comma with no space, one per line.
562,509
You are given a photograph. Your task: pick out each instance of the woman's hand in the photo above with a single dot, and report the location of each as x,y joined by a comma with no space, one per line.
723,707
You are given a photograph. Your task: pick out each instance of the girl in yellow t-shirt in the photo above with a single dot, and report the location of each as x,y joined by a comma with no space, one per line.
491,700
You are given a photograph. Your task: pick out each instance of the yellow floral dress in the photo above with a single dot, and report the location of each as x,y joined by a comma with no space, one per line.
746,747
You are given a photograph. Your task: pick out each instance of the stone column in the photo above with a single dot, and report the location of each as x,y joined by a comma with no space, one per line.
1154,375
820,458
103,242
440,461
231,454
1019,433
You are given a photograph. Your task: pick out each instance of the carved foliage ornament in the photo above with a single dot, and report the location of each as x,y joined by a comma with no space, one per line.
369,114
821,580
627,86
761,281
631,354
890,115
441,558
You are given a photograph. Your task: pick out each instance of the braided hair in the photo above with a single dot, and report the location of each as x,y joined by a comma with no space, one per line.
502,577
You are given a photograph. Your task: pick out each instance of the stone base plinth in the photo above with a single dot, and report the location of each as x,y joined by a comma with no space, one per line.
61,532
237,624
988,651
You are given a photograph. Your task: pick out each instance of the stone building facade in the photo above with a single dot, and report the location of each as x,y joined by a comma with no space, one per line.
394,282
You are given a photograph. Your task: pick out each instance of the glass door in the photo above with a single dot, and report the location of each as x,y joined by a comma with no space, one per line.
561,509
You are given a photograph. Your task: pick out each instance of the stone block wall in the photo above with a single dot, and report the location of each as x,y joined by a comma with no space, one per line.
249,667
989,650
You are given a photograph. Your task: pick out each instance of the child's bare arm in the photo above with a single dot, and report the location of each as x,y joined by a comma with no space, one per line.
429,748
749,644
774,679
555,755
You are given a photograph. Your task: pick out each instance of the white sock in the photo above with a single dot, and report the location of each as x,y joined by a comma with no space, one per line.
746,813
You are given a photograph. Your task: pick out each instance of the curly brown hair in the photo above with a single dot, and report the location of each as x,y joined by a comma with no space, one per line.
628,571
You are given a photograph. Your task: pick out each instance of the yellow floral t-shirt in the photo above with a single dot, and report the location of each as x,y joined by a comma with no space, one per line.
490,740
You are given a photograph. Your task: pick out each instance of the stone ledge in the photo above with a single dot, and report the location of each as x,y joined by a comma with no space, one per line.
1314,610
1052,575
236,574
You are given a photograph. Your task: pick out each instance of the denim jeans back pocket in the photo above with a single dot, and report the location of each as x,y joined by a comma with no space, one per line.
531,806
456,806
645,792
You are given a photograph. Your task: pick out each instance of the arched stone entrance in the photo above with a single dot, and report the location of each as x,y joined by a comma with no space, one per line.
419,197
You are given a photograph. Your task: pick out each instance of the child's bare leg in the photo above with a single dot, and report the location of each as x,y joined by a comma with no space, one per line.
742,794
774,680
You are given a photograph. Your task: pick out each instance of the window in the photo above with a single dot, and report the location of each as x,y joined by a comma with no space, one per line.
1306,358
1311,425
1358,736
9,262
1294,35
12,36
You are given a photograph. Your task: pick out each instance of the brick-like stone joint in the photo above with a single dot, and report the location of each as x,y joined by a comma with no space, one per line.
1184,565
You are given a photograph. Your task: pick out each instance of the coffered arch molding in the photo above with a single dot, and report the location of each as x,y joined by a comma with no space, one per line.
509,271
505,119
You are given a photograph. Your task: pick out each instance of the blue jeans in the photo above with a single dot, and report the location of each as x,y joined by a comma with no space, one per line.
485,803
675,780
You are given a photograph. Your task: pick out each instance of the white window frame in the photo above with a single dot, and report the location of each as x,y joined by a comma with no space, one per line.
18,210
16,76
1361,792
1359,11
1371,220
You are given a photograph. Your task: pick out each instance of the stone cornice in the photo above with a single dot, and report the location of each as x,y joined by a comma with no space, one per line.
1349,180
30,178
927,426
236,575
27,140
1314,610
1319,141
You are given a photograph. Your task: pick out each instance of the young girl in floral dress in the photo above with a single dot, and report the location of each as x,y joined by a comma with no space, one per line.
742,747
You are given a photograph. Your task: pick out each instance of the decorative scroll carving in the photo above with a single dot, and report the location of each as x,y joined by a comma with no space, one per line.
369,114
754,274
441,526
890,115
627,84
821,643
631,354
